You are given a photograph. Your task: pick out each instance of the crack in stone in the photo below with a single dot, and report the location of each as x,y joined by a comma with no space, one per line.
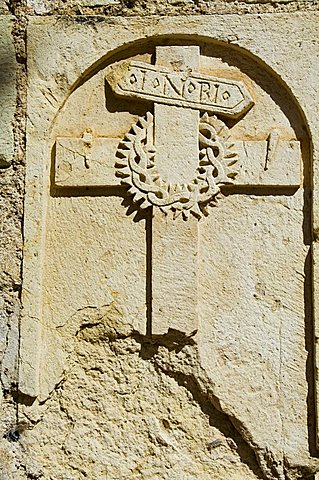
201,388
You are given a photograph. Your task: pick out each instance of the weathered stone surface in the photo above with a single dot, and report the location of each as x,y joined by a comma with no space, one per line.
135,314
174,246
78,163
7,90
41,6
132,419
10,207
81,163
168,7
98,3
3,7
181,87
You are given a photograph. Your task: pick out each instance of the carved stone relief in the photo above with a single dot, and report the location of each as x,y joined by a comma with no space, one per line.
173,189
137,168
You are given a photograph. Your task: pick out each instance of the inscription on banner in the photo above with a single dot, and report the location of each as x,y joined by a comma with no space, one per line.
185,88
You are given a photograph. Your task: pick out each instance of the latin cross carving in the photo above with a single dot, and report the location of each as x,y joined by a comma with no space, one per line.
174,161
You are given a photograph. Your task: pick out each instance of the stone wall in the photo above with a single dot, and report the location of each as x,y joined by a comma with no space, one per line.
114,401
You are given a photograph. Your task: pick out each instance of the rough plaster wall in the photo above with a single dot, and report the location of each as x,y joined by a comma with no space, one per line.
11,207
165,378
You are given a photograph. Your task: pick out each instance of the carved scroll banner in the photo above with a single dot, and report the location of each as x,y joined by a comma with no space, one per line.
181,87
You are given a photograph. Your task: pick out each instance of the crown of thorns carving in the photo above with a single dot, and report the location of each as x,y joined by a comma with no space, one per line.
137,169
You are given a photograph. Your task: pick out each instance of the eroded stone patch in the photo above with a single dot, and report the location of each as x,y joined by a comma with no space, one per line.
130,419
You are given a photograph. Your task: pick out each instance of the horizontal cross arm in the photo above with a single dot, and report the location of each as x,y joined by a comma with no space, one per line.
79,164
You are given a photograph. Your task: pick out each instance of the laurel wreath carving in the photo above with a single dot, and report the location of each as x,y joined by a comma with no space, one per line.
137,169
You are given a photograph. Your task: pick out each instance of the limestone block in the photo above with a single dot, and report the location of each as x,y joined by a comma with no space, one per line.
80,164
197,258
7,90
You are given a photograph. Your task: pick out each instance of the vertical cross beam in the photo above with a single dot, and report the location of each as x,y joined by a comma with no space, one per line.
175,243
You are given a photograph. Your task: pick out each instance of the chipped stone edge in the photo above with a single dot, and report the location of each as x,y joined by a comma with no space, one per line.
35,204
314,252
315,293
